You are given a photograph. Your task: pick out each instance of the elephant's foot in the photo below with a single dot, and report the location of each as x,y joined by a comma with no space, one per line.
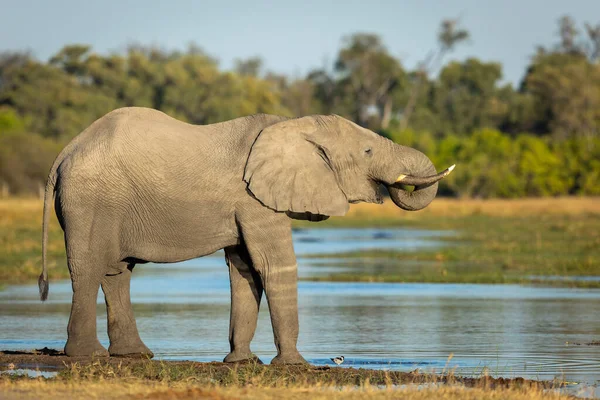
242,357
288,358
134,349
85,348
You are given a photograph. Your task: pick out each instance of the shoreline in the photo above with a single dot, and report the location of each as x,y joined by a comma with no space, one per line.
219,373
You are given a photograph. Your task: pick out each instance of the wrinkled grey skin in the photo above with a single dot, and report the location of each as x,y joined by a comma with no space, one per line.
139,186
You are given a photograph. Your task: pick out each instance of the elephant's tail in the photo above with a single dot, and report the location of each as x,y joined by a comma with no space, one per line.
48,195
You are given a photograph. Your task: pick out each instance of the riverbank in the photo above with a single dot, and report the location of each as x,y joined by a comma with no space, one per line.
495,241
84,377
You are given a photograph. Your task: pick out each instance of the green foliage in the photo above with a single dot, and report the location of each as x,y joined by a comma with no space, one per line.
25,160
494,164
462,116
42,106
466,96
566,92
580,160
10,120
539,169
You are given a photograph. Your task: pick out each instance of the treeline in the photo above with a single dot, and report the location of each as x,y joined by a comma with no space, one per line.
538,139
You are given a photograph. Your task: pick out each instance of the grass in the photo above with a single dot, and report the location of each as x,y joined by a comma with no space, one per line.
136,389
21,242
497,241
183,380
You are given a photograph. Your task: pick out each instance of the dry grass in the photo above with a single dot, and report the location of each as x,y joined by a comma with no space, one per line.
21,242
139,389
248,375
444,207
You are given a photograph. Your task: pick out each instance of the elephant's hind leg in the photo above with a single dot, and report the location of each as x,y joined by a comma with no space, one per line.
82,336
246,293
122,329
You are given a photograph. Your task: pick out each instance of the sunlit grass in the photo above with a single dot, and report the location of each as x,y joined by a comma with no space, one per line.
183,380
138,389
21,242
388,213
38,389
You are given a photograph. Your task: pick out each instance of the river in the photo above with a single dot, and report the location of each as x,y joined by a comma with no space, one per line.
182,312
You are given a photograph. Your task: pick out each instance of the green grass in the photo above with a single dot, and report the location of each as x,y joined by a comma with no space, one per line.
485,249
20,242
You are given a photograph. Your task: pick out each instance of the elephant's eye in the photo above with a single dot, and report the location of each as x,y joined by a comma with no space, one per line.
368,151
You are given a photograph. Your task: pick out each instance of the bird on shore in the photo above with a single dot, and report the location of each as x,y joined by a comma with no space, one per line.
338,360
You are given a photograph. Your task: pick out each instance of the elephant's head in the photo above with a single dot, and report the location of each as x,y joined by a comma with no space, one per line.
314,166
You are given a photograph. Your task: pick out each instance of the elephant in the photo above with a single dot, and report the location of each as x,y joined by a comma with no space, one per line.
139,186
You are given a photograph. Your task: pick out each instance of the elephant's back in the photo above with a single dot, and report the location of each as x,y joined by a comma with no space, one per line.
139,126
133,148
132,132
147,147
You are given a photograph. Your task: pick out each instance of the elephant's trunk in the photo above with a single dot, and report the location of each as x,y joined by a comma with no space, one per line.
413,168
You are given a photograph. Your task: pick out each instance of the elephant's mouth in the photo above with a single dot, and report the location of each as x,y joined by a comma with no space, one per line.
307,216
371,195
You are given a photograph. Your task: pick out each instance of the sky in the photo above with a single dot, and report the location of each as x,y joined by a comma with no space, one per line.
291,37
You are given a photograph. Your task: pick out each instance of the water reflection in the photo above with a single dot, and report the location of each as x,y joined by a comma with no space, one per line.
183,313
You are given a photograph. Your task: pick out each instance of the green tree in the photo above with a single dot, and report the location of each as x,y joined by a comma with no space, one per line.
539,168
449,35
369,75
566,92
250,67
52,102
465,97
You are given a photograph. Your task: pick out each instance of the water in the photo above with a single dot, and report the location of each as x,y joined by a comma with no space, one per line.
182,312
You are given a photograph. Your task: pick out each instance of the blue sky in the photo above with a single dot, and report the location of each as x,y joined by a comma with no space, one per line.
291,36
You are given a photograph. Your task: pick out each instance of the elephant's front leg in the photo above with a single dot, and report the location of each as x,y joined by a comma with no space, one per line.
269,241
246,293
281,287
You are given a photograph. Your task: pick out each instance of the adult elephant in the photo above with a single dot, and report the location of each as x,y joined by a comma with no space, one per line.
138,186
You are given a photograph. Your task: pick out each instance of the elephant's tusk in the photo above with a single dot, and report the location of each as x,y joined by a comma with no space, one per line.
428,180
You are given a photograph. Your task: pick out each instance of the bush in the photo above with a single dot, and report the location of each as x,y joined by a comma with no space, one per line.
25,158
493,164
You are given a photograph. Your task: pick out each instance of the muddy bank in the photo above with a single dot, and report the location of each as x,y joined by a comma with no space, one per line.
244,373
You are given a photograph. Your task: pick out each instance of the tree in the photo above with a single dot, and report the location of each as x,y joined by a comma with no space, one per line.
297,96
564,84
593,47
70,59
368,76
568,33
567,94
449,36
53,103
250,67
465,96
25,158
326,91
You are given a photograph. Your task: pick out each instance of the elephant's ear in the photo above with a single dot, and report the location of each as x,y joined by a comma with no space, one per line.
289,170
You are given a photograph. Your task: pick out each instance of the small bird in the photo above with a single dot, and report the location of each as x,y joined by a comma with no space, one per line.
338,360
